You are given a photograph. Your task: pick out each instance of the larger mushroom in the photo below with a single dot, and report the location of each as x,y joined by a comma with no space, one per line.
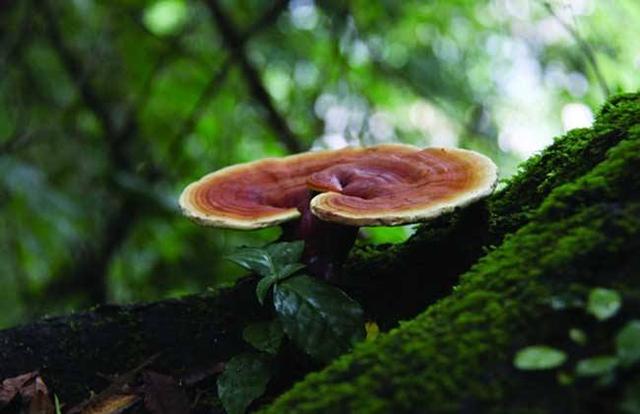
323,197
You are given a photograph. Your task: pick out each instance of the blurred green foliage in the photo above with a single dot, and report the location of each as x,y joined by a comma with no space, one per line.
109,108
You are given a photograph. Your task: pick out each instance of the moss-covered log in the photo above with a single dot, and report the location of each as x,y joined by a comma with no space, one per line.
457,356
73,350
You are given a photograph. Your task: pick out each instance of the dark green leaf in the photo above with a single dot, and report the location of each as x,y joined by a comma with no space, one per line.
264,336
539,357
288,270
254,259
244,379
263,288
321,319
596,366
285,252
603,303
276,260
628,343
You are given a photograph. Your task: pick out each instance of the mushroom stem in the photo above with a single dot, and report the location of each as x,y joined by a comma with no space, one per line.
326,245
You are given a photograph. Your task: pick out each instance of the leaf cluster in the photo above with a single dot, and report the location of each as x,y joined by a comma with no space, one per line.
320,319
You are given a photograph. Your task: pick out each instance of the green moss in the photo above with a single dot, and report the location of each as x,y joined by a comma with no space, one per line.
570,157
581,206
432,260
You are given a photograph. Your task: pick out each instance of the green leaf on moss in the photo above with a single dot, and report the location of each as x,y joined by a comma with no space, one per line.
244,379
539,357
603,303
596,366
564,378
321,319
578,336
628,343
264,336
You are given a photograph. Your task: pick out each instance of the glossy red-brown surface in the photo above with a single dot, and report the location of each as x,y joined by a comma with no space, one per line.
386,184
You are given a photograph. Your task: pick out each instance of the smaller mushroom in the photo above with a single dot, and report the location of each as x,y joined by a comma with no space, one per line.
323,197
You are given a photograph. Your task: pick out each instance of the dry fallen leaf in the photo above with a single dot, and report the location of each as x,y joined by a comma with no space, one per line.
32,387
32,390
113,404
41,404
11,387
112,394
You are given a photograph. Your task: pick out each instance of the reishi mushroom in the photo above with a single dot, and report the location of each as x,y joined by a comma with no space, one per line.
323,197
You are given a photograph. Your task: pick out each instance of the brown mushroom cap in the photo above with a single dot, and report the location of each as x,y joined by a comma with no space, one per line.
389,184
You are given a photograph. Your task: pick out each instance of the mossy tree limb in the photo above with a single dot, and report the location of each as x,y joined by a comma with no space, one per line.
75,349
457,356
75,352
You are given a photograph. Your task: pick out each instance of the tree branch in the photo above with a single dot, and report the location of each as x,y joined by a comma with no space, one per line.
266,20
584,46
213,86
235,44
198,110
74,69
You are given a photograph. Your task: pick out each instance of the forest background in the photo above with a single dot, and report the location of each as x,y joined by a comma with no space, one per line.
109,108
